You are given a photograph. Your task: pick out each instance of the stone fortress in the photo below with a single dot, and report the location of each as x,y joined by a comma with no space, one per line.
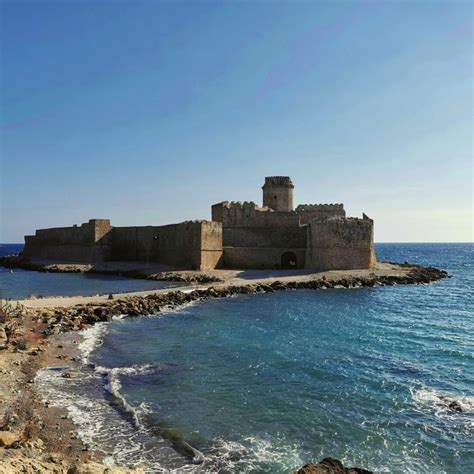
316,237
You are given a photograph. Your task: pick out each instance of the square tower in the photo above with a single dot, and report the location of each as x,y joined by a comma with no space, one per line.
278,193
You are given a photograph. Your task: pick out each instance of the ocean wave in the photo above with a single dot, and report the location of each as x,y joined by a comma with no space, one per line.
442,402
178,309
100,425
136,413
113,386
250,454
92,338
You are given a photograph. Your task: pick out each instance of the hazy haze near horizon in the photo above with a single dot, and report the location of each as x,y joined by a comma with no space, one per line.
149,112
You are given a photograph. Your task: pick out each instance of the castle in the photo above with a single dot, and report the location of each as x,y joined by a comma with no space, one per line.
240,236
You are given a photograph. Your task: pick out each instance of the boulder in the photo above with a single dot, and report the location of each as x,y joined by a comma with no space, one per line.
330,466
9,439
3,338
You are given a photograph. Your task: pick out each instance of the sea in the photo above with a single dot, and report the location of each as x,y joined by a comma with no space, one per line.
380,378
19,284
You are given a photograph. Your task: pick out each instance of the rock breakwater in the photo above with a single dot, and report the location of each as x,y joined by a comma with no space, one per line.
62,319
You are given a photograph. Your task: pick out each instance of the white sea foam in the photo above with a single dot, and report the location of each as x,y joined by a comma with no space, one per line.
251,453
178,309
440,401
98,425
92,338
113,386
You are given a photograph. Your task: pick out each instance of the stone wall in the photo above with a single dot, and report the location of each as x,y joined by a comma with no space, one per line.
85,243
340,244
261,258
257,237
193,245
211,246
248,214
308,212
189,245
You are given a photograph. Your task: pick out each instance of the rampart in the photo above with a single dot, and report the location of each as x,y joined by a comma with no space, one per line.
307,212
85,243
338,243
190,245
195,245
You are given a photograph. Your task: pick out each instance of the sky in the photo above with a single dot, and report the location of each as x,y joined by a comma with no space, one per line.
147,112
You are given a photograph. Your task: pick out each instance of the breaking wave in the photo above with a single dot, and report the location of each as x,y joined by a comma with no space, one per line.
92,338
442,402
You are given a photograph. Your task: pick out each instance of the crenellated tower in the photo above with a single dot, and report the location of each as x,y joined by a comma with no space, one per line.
278,193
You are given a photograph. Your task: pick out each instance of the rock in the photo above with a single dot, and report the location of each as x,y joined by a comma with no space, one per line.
3,338
9,439
330,466
455,406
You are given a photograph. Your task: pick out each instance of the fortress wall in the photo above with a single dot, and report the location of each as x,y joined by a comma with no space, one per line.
256,237
260,258
248,214
308,212
211,246
340,244
79,244
264,237
188,245
175,245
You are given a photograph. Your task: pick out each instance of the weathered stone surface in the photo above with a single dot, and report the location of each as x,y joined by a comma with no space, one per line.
9,439
330,466
3,337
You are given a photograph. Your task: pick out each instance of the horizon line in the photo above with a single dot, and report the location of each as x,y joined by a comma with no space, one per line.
385,242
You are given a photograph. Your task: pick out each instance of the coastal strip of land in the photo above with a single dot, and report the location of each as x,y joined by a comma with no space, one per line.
36,333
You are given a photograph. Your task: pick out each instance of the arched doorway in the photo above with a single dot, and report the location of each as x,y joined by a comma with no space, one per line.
288,260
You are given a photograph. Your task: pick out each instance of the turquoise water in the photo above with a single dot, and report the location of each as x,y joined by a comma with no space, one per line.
264,383
19,284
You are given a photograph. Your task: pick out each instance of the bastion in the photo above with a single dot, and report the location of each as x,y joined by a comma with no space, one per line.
240,235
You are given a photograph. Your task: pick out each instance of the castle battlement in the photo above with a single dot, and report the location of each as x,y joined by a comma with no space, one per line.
318,207
240,205
279,181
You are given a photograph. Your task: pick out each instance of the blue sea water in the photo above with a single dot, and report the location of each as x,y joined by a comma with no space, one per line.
19,284
265,383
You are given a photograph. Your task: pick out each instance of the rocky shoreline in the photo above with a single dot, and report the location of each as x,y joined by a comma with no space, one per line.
80,316
38,438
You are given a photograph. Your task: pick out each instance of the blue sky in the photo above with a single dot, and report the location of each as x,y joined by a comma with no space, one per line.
147,112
